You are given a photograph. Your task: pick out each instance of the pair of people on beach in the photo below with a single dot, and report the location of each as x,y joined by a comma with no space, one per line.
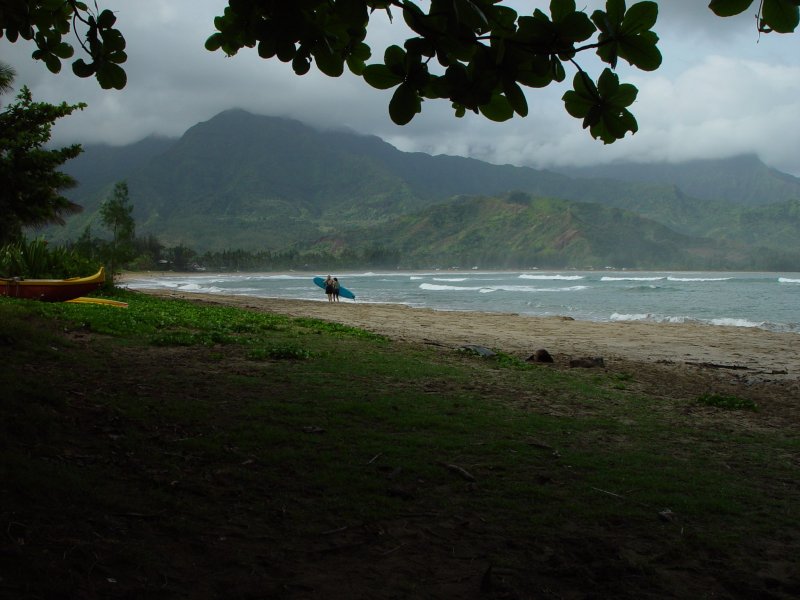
332,288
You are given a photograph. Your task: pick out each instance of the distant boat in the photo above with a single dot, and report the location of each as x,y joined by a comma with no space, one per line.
51,290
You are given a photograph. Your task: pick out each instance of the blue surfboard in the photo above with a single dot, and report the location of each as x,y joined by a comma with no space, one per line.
343,291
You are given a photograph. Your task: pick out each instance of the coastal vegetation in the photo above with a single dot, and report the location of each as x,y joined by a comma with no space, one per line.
189,449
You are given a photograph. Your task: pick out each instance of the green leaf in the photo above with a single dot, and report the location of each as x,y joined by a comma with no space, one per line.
361,51
355,65
117,57
395,57
404,105
641,51
534,77
503,15
615,9
106,19
561,9
608,84
329,63
640,17
558,72
111,76
613,126
583,85
214,42
576,105
497,109
576,27
63,50
516,98
285,50
782,16
420,46
381,77
301,64
266,48
625,95
112,40
470,15
52,62
729,8
602,107
82,69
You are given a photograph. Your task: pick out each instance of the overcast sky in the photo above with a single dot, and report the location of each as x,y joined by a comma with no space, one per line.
721,91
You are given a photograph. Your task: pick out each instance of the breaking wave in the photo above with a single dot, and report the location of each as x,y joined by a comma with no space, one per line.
552,277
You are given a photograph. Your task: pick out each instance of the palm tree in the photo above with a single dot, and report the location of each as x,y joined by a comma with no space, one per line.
7,76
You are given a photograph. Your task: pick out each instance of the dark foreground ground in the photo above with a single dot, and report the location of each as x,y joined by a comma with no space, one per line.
327,465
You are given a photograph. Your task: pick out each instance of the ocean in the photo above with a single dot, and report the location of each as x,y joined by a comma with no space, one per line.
759,300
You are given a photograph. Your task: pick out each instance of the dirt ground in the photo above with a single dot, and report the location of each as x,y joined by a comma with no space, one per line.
237,551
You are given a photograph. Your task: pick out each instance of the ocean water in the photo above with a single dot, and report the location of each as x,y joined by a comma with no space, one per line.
760,300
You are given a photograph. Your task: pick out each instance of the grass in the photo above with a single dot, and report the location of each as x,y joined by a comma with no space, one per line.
727,401
206,420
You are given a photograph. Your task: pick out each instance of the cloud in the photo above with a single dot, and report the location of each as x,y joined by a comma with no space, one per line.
722,90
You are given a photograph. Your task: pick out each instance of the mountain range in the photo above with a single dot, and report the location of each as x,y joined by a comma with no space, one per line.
244,181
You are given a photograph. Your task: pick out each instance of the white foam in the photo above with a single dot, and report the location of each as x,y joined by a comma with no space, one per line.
434,287
608,278
788,280
552,277
630,317
720,322
650,318
498,288
731,322
689,279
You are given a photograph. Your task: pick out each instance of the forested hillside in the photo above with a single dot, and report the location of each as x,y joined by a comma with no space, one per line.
262,183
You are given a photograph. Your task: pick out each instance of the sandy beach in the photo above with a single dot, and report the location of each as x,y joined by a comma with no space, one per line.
739,354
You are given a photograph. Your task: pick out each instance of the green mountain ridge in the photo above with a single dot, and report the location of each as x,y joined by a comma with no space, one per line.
254,182
536,232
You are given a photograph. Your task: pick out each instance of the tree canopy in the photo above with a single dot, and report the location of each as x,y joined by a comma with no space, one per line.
478,54
30,184
116,213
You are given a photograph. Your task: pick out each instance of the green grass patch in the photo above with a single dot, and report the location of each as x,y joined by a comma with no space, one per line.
727,402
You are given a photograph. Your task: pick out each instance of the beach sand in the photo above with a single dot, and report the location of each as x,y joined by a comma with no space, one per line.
746,361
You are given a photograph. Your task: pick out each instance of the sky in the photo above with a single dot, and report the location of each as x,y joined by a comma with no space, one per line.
721,91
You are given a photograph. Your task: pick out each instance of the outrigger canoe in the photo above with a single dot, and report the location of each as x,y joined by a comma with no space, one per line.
51,290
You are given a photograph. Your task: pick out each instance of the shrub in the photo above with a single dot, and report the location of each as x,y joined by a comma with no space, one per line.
34,259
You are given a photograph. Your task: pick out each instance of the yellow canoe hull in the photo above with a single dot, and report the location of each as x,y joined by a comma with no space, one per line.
103,301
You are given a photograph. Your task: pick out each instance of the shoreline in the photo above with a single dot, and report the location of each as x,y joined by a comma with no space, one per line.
740,354
749,316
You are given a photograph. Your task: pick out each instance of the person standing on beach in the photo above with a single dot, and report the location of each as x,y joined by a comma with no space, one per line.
335,289
329,288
